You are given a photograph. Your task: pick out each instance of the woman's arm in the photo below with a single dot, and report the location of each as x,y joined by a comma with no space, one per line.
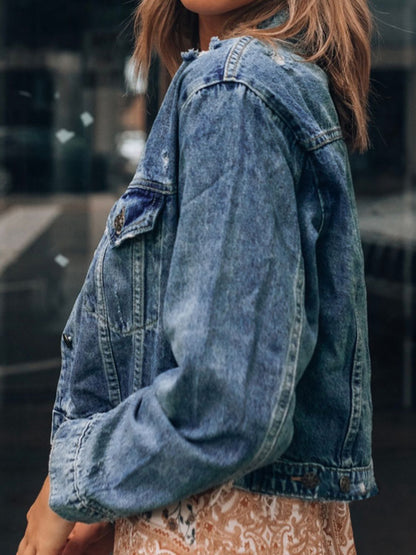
233,312
49,534
46,532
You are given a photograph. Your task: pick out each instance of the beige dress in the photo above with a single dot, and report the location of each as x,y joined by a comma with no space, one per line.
229,520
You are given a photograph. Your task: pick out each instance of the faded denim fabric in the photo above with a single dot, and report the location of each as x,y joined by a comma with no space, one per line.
221,332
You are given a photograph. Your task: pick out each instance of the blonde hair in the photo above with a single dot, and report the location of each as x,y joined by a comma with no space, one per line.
332,33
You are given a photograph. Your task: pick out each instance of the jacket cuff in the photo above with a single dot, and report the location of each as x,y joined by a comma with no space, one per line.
67,497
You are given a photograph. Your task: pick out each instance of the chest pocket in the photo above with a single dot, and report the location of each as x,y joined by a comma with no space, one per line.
129,272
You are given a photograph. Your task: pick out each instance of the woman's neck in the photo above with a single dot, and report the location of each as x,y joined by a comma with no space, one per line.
209,26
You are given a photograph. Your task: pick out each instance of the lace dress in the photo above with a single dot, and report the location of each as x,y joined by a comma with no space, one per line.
229,520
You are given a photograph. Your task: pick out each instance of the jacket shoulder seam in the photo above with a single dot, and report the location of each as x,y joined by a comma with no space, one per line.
231,65
315,142
252,89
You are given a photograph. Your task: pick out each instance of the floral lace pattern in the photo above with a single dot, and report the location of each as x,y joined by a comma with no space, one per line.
227,520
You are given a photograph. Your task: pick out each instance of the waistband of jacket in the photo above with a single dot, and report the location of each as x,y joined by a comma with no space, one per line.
311,481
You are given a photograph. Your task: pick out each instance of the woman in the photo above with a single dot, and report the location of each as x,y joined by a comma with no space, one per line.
216,376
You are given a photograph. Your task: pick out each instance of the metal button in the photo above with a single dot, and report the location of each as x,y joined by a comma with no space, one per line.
67,340
310,480
345,484
119,221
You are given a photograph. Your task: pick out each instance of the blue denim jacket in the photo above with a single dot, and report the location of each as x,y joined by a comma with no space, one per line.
221,332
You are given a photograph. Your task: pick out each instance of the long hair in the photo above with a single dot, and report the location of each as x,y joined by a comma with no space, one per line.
332,33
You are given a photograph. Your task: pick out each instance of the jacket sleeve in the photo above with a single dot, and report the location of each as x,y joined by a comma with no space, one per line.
233,313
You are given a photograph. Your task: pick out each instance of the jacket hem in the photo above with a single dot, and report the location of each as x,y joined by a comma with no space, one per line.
311,481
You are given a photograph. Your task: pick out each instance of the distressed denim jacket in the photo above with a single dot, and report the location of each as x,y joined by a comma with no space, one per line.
221,332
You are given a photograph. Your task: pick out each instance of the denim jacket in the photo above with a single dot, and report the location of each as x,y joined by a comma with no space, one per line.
221,332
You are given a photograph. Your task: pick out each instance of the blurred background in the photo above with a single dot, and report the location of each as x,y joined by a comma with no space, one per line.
73,124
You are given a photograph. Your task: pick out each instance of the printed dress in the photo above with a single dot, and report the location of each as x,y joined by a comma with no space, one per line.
229,520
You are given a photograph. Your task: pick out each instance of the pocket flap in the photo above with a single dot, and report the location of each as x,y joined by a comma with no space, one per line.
134,213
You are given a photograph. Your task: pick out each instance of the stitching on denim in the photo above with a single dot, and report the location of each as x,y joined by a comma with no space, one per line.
260,97
91,507
81,437
295,337
162,189
278,115
139,305
356,397
301,140
320,199
234,56
310,144
134,229
161,258
136,232
314,497
130,331
333,474
279,415
197,89
107,356
328,141
331,131
324,467
90,310
248,86
321,202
